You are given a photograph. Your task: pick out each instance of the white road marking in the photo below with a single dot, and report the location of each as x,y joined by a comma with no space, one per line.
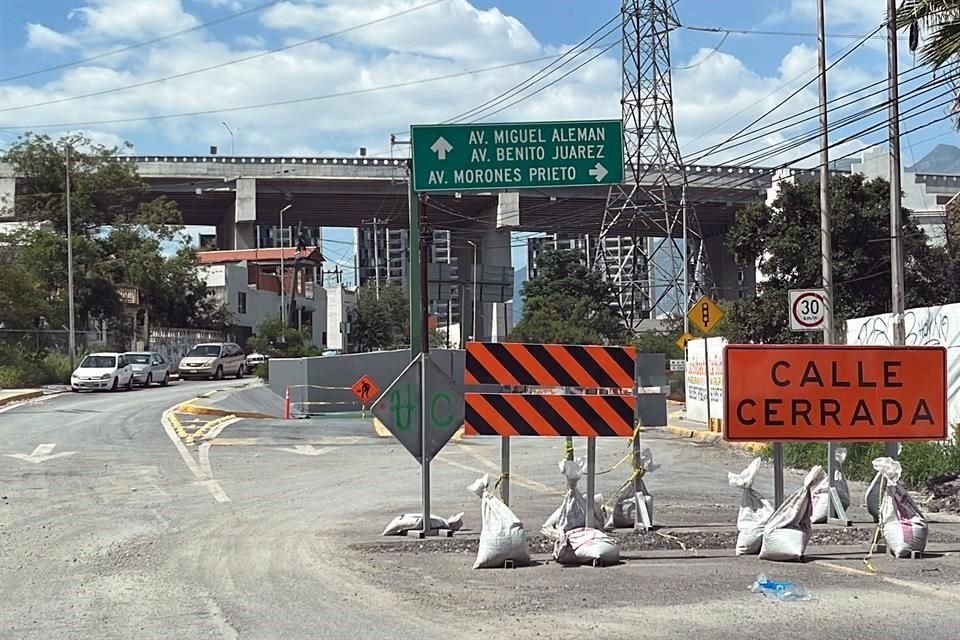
42,453
220,427
907,584
306,450
203,475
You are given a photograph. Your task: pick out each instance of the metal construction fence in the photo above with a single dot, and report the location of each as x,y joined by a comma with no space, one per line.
323,384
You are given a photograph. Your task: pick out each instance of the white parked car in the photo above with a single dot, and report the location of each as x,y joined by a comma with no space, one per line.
103,371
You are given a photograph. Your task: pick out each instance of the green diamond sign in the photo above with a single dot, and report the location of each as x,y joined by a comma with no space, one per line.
525,155
398,408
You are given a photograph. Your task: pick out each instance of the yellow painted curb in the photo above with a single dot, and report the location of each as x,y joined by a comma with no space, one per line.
380,429
201,410
21,396
707,436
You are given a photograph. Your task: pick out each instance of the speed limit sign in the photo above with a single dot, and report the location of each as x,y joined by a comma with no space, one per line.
808,309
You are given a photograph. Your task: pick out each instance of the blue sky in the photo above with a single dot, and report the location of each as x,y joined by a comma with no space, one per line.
721,82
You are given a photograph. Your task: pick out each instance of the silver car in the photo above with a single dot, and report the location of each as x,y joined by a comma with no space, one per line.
149,367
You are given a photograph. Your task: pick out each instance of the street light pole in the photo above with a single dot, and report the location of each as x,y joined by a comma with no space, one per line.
232,150
474,325
283,274
71,309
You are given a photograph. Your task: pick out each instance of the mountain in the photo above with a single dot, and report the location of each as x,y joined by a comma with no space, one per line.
944,158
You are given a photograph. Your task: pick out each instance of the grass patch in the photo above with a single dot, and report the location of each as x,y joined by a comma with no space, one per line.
921,461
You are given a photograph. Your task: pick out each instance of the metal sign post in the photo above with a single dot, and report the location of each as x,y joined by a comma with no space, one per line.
424,355
505,469
705,315
809,310
591,479
777,474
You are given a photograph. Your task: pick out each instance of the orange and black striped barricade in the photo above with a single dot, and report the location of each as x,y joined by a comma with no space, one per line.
533,412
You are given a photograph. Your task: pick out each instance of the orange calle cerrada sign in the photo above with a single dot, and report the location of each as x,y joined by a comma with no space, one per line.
834,392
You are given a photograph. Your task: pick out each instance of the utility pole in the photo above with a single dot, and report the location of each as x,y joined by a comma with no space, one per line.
896,228
71,309
376,258
835,513
283,274
473,326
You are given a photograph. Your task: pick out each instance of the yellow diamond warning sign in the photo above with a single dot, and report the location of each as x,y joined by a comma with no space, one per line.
705,314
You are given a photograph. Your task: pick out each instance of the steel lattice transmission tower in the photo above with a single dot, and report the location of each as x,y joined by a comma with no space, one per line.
641,249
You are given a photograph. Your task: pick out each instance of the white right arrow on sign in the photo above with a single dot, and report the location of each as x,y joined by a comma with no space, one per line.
599,172
441,147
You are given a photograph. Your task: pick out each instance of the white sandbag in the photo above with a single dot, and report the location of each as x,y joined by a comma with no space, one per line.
787,532
502,536
872,497
586,546
571,514
624,510
755,510
903,524
821,493
414,522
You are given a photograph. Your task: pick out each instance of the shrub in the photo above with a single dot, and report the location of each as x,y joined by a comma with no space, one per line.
56,368
921,461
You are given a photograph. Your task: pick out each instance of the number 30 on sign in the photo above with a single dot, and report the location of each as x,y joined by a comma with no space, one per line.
807,309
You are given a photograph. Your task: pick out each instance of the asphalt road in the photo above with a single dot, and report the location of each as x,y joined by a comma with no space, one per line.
269,530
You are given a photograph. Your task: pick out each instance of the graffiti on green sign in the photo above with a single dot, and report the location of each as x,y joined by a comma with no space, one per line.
403,411
403,406
435,419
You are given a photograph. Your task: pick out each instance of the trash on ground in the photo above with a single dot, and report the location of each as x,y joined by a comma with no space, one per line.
586,546
624,510
755,510
788,530
414,522
821,493
782,590
904,526
502,537
571,514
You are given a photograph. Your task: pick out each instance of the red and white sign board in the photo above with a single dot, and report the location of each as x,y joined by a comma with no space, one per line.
838,393
807,309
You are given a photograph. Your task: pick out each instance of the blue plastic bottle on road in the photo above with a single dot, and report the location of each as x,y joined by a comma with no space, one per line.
779,589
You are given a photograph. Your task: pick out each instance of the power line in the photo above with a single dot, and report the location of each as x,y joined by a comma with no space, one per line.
758,32
328,96
145,43
519,87
221,65
792,95
550,84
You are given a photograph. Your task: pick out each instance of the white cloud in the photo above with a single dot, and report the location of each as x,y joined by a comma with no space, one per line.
122,20
249,42
453,29
45,38
401,50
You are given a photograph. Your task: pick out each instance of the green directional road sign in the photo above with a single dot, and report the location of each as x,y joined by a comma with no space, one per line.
399,408
525,155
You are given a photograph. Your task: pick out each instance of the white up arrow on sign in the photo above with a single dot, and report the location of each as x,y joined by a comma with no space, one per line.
599,172
42,453
441,147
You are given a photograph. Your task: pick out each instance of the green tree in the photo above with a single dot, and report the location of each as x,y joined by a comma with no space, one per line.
274,340
786,240
381,322
121,235
567,303
942,19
